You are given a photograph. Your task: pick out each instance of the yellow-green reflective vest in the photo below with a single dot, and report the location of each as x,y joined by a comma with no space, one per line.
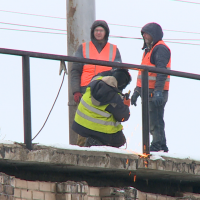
95,118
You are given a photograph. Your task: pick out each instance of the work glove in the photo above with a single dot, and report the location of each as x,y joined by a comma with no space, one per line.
77,97
158,98
127,102
134,98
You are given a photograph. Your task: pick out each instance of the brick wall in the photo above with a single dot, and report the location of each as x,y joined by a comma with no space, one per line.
12,188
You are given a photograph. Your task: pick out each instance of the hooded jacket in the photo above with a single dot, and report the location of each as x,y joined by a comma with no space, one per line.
105,92
77,68
159,57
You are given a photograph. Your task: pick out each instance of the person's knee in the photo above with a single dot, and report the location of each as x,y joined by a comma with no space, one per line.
92,142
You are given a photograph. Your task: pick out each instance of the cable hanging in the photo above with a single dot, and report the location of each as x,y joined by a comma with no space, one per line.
51,108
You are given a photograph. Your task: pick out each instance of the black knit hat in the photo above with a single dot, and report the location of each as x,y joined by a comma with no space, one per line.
123,78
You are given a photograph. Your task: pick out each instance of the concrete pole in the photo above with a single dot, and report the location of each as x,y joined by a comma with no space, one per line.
80,16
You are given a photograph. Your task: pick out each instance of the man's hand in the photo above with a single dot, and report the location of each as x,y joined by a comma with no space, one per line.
158,98
127,102
77,97
134,98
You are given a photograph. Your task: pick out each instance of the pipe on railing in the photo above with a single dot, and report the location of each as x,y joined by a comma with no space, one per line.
26,101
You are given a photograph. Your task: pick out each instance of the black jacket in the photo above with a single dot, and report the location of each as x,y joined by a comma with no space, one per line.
160,55
77,68
105,92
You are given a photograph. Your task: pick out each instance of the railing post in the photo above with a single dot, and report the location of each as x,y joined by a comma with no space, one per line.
145,111
26,101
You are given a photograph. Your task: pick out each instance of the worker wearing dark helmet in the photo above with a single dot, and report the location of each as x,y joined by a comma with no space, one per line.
102,109
156,54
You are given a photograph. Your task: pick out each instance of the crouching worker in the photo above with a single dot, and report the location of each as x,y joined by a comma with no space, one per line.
101,110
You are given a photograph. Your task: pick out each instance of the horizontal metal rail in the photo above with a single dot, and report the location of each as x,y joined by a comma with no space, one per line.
99,62
145,69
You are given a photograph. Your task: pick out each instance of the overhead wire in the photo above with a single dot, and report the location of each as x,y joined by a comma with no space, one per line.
33,31
40,27
187,1
32,14
113,36
108,23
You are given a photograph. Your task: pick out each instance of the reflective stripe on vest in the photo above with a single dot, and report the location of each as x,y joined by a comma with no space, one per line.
108,53
95,117
152,76
99,112
98,121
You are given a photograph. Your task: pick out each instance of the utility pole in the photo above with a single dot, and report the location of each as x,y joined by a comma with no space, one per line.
80,17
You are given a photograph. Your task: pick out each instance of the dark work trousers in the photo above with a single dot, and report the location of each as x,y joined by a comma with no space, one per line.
157,126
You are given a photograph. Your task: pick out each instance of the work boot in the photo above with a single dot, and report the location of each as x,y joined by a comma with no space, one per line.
92,142
154,148
165,148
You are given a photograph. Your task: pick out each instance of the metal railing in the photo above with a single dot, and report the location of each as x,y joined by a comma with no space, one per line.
145,91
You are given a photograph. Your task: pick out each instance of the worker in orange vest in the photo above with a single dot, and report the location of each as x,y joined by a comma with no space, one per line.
98,48
156,54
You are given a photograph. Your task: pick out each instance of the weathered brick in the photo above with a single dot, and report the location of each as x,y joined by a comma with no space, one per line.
26,194
106,191
1,188
49,196
79,188
19,199
37,195
85,197
67,187
106,198
120,198
53,187
191,194
94,191
20,183
17,192
161,197
45,186
4,179
74,187
141,195
8,190
10,197
151,196
12,181
173,198
4,196
33,185
60,187
84,187
60,196
63,196
77,197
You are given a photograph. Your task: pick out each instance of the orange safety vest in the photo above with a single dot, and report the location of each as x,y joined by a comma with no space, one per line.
108,53
152,76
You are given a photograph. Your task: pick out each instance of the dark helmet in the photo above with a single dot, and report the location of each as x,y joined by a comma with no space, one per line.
123,78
